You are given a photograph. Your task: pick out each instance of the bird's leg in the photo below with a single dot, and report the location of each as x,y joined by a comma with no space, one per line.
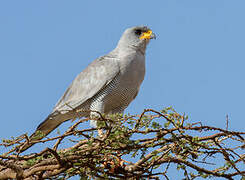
100,133
95,116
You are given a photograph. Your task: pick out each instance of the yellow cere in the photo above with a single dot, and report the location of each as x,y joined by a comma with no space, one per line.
146,35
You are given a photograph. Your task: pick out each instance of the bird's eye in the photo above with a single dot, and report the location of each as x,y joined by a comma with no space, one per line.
138,32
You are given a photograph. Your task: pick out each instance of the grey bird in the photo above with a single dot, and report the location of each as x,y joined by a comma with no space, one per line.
108,85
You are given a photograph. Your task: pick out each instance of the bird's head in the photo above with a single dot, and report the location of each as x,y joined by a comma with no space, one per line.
136,37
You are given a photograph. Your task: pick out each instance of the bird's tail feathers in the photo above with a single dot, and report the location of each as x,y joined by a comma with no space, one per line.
46,127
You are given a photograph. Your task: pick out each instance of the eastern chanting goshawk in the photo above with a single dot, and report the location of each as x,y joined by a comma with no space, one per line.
108,85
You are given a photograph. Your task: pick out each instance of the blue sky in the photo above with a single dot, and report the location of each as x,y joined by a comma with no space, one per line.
196,64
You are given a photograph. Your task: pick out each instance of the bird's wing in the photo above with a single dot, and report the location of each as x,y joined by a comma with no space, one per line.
88,83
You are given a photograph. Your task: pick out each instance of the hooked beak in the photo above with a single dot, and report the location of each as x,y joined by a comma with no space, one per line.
148,35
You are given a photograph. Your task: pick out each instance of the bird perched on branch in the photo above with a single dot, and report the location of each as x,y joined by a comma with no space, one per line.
108,85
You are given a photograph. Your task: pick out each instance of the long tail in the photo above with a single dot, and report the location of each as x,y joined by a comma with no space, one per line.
46,127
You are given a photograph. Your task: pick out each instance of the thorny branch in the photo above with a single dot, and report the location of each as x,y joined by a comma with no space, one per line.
152,142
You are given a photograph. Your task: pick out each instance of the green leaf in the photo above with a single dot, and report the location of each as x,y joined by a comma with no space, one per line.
166,124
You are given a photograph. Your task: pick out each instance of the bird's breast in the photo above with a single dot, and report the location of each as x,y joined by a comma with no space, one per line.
118,94
132,69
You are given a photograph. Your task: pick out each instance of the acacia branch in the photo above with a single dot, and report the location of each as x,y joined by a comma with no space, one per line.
153,140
